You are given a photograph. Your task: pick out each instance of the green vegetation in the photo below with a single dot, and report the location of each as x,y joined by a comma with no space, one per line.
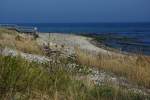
23,80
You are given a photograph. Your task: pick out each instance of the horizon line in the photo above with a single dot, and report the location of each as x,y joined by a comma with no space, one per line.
65,22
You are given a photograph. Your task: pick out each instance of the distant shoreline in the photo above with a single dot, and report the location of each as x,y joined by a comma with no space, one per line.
89,27
100,45
76,33
97,44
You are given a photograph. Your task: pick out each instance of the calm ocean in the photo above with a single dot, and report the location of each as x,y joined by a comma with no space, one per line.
139,32
90,27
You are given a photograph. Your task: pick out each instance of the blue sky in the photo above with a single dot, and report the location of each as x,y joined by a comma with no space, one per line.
61,11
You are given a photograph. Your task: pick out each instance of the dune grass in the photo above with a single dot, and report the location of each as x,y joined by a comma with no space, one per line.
135,68
23,80
14,40
3,30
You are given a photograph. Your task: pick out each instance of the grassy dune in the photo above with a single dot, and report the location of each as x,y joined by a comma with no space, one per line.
135,68
12,39
22,80
25,80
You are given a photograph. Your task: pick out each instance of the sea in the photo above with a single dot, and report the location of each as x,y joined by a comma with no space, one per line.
128,37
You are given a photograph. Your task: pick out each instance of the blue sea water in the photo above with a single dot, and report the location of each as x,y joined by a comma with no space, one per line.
139,32
89,27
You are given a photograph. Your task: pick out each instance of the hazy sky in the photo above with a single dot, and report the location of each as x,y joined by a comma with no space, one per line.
51,11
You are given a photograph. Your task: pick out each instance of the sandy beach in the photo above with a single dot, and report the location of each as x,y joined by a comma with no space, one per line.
71,41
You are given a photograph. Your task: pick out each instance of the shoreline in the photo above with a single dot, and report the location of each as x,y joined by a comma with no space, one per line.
99,45
111,49
85,43
74,40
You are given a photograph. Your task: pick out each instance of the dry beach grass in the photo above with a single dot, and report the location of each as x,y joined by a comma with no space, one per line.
135,68
22,79
12,39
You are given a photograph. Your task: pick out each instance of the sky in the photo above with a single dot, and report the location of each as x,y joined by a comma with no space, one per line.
68,11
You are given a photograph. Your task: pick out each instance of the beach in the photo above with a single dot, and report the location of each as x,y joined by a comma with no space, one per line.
71,41
78,54
74,50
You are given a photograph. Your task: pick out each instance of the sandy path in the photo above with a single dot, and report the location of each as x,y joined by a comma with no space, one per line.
72,41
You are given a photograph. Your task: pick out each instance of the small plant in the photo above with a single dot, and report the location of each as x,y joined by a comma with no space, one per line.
35,36
18,38
62,46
